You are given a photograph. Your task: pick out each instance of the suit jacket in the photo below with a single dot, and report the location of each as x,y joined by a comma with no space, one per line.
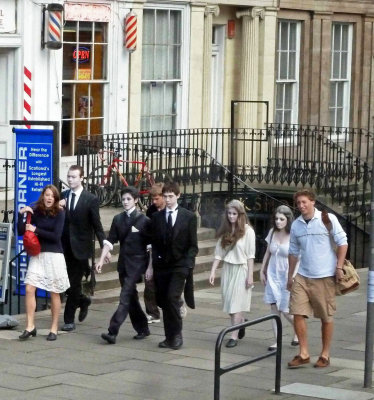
81,224
182,250
133,234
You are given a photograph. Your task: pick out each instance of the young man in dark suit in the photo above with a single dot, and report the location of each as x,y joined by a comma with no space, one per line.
81,222
174,248
132,229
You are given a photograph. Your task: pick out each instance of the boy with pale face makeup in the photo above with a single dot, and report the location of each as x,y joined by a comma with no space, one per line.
132,230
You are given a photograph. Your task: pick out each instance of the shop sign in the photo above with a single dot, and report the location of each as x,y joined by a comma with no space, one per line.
84,74
5,241
82,53
87,12
7,16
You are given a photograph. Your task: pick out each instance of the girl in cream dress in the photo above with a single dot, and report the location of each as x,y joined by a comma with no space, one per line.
236,248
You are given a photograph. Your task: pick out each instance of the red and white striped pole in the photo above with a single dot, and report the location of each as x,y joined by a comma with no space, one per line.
131,23
27,81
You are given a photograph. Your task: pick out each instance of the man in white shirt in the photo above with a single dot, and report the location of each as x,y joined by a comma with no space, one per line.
313,288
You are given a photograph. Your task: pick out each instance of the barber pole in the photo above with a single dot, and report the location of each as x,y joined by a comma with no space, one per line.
131,23
54,26
27,95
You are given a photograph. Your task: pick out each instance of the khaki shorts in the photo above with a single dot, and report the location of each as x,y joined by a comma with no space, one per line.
313,297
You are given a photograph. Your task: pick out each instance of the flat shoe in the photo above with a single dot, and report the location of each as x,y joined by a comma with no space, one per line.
241,333
272,347
298,361
26,334
322,362
231,343
141,335
111,339
295,343
51,336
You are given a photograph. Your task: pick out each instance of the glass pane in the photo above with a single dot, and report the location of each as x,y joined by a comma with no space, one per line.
69,62
83,103
283,65
147,62
145,124
287,117
162,27
174,67
284,36
279,101
336,65
344,71
100,32
148,26
292,65
339,117
336,38
156,123
332,117
97,100
81,128
340,96
85,32
168,123
170,98
293,36
145,99
279,117
157,99
175,27
345,37
70,32
100,61
288,96
332,102
161,65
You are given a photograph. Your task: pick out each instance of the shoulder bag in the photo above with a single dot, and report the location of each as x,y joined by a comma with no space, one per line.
351,279
31,242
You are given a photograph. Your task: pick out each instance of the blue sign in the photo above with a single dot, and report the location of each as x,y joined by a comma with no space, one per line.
34,170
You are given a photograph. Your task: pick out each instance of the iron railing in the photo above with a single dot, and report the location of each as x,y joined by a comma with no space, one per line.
6,164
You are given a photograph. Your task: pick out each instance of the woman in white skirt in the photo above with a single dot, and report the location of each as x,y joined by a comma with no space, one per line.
47,270
236,248
274,269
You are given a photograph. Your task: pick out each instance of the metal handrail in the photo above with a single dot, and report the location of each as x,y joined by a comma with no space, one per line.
219,371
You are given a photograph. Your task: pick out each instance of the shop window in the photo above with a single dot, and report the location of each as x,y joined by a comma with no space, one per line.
85,54
340,80
287,72
162,72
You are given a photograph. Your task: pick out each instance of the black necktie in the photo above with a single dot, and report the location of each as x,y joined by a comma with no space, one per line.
72,202
170,221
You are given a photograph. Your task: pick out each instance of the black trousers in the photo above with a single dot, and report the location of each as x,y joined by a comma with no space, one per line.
169,283
75,268
128,305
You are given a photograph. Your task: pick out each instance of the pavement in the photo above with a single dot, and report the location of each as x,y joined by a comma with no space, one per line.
79,365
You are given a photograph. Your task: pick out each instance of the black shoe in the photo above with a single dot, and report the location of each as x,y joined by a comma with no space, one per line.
68,327
164,344
84,309
141,335
241,333
111,339
176,343
51,336
231,343
26,334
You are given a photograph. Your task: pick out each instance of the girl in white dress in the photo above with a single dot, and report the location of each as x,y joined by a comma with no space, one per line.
236,248
274,269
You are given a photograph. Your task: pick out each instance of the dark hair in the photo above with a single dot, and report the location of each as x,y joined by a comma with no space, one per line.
286,211
171,187
156,189
40,206
131,190
77,168
229,238
309,193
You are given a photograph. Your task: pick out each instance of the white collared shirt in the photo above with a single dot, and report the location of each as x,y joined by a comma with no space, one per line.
78,193
130,211
173,215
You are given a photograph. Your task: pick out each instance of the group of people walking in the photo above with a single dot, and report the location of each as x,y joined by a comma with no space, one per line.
299,269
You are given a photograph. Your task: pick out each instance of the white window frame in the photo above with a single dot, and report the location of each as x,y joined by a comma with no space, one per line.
294,81
346,81
182,95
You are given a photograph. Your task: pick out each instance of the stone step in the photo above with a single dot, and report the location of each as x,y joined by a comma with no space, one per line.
201,281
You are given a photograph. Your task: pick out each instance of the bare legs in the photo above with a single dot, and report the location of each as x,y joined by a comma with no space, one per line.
236,318
327,329
31,306
55,309
302,334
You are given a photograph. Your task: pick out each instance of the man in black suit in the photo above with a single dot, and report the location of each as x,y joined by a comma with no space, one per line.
132,229
81,222
174,248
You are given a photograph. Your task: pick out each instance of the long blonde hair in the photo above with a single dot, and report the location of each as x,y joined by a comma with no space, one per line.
229,238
